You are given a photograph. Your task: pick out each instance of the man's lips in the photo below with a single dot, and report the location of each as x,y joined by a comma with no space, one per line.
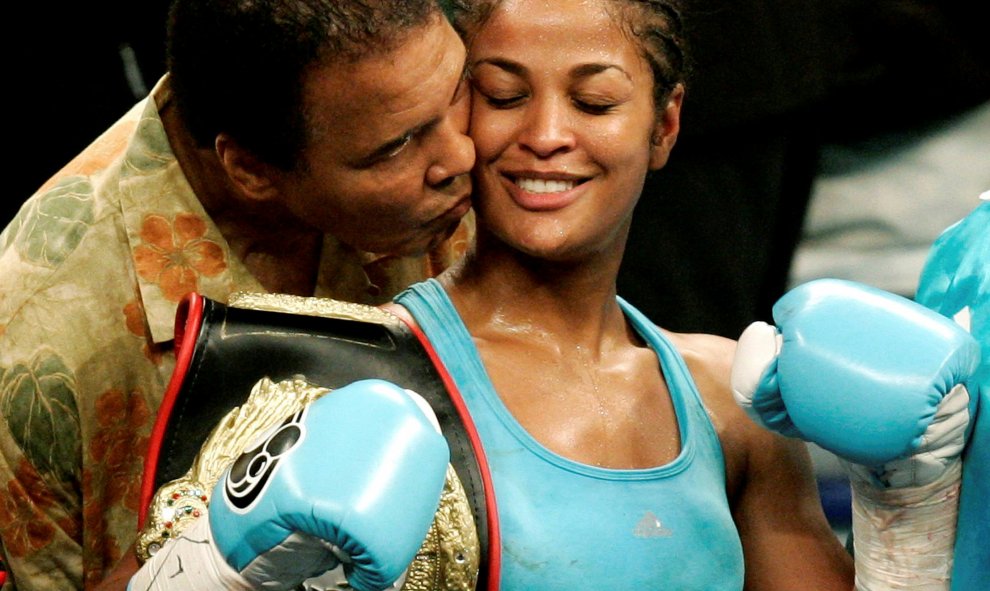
459,209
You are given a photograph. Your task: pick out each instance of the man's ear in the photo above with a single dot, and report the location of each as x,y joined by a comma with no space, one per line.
255,178
667,127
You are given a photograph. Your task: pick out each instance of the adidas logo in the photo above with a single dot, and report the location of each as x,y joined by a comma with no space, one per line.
650,527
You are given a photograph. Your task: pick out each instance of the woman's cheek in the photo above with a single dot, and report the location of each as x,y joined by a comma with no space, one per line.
490,133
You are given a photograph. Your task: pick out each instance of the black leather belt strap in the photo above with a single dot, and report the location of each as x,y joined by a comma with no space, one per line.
235,347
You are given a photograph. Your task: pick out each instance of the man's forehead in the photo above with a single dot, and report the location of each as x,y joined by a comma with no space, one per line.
415,78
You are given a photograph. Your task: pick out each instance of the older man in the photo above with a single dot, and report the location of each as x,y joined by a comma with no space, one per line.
311,147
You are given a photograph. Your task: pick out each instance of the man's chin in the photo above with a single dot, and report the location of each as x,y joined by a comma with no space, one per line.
442,237
413,247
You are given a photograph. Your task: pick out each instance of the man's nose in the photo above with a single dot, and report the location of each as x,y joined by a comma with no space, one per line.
455,156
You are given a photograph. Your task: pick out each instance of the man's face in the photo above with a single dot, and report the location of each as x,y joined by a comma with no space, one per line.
386,162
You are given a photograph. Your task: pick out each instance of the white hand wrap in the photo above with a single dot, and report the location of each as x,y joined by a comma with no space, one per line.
189,562
904,537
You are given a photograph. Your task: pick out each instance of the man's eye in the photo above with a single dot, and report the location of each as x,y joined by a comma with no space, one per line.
394,149
385,153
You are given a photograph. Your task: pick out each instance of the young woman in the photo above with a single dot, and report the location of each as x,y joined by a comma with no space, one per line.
619,457
617,454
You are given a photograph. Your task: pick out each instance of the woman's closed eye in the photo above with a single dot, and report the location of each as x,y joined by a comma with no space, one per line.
594,106
502,100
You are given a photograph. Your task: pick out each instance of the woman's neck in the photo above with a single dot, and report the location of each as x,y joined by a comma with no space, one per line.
502,294
562,358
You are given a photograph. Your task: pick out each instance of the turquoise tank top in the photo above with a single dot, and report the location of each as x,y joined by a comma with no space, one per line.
566,525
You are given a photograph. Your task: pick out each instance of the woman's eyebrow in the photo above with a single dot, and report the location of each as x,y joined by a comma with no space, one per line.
586,70
580,71
500,62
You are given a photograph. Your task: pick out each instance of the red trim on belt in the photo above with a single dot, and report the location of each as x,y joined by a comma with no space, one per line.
494,537
188,320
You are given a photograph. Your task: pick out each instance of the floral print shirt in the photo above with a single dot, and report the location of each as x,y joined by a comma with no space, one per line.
91,270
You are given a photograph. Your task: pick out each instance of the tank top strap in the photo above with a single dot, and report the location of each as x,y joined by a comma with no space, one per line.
431,307
684,394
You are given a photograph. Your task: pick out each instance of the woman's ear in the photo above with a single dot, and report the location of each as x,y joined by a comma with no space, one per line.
667,127
253,177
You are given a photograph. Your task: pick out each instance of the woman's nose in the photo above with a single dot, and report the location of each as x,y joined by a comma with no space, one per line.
547,128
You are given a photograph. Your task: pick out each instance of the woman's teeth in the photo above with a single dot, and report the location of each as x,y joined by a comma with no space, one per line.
544,186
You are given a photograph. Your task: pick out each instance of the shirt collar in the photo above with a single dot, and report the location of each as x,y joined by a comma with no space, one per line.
175,247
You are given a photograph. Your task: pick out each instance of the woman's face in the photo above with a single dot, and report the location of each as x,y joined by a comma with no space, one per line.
564,127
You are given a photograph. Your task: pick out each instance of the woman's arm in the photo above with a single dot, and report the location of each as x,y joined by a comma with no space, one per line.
787,541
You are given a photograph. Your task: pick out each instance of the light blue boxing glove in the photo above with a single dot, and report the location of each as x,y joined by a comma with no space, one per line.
353,479
882,382
875,378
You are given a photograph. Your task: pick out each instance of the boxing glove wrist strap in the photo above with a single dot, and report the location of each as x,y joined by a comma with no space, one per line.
191,562
916,524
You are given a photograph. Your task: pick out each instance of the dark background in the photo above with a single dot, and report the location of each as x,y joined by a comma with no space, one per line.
69,81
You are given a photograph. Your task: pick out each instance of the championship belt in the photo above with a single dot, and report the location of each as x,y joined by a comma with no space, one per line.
243,365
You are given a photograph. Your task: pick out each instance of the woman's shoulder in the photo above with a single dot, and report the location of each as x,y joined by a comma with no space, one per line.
708,357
